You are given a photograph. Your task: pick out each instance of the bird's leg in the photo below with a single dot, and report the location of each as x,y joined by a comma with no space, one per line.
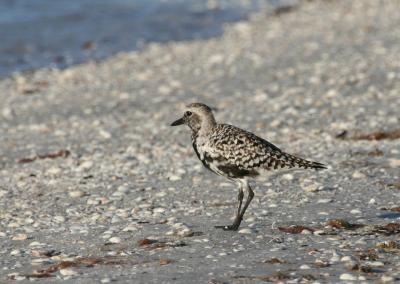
239,214
240,200
250,195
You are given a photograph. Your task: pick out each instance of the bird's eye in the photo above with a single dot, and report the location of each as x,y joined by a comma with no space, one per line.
188,113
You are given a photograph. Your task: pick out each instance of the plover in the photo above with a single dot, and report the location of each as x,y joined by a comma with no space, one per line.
236,154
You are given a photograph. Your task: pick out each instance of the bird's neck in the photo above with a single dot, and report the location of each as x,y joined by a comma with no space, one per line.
207,126
204,129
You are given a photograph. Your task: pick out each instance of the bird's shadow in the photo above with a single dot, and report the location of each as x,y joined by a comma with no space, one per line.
391,215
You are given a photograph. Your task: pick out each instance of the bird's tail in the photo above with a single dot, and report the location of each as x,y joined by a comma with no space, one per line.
296,162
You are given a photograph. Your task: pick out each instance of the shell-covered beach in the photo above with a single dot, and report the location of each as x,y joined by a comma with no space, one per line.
96,187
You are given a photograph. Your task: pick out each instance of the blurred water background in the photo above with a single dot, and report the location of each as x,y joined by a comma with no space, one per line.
59,33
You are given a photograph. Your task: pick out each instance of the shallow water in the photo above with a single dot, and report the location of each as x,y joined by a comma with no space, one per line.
59,33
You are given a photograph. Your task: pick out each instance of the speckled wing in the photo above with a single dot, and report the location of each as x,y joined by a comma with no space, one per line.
249,153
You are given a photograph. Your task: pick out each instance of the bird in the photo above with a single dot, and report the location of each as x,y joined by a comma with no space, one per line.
236,154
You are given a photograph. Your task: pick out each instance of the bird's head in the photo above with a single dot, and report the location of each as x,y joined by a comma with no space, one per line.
197,116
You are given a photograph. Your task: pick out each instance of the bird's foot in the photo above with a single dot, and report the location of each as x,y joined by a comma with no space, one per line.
228,227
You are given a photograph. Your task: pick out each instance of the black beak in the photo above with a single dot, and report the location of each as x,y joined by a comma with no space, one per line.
178,122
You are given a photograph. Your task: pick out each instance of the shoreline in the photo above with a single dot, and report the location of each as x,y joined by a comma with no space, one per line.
27,46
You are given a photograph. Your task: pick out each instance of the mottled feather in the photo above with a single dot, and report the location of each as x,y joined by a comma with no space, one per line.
237,153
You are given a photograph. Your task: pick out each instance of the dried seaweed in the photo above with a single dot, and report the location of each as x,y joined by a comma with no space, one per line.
370,255
395,185
216,281
284,9
279,276
44,253
91,262
221,204
165,261
343,224
35,87
274,261
58,154
389,246
295,229
394,209
146,242
388,229
362,268
151,244
378,135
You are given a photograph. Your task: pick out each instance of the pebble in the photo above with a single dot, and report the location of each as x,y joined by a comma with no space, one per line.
59,219
13,225
76,193
118,193
386,279
394,163
310,186
304,267
15,252
36,244
355,211
2,193
178,225
130,228
251,219
39,260
174,178
347,258
7,113
348,277
375,263
184,232
361,241
287,177
159,210
181,230
93,202
29,221
16,276
53,171
358,175
306,232
335,257
68,272
351,264
321,263
114,240
245,231
123,188
86,165
20,237
105,134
